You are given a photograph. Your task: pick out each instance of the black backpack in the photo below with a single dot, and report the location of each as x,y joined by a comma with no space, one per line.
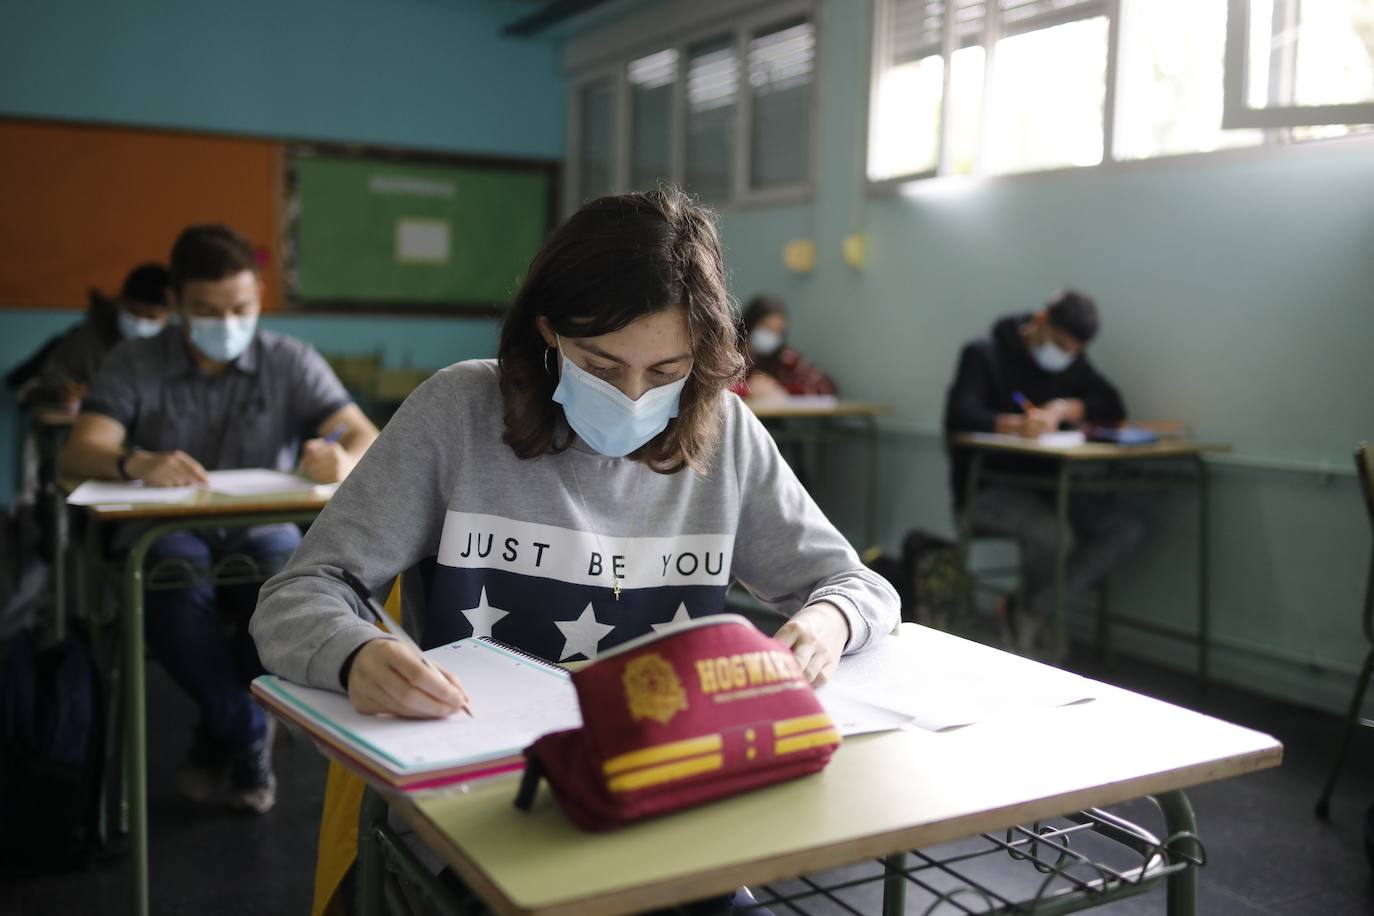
51,754
929,579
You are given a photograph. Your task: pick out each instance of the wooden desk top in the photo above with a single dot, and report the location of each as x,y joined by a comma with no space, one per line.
1089,451
208,504
777,410
881,794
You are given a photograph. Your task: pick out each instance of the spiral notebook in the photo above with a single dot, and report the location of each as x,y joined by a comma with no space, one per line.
515,698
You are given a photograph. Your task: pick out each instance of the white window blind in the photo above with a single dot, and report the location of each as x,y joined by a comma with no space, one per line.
917,29
651,80
712,96
596,130
781,63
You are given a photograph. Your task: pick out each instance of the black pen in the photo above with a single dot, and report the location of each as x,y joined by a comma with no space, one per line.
394,629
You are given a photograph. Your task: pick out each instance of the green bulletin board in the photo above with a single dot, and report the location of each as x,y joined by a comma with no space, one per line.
394,233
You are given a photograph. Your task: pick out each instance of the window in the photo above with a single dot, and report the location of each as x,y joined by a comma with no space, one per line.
781,63
1045,107
962,87
1169,80
712,101
1293,64
651,116
596,132
727,113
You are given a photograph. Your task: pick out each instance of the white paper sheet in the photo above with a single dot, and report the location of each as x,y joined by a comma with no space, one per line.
257,482
99,492
941,682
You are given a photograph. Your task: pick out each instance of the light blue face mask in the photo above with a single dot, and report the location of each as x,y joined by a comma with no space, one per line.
131,326
223,339
606,418
1051,357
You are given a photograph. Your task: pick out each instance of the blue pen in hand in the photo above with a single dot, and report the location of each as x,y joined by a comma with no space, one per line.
336,433
1022,401
394,629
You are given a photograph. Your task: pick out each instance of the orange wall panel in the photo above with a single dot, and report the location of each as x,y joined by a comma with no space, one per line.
81,205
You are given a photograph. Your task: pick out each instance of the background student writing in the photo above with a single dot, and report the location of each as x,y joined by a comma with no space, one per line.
215,392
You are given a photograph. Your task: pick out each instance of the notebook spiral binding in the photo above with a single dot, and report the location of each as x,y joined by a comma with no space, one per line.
533,659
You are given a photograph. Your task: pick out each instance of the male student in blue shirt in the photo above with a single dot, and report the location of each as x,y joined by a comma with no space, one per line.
1028,376
214,392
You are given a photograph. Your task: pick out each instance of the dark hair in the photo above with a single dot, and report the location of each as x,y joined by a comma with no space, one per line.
146,284
759,308
210,252
1075,312
616,260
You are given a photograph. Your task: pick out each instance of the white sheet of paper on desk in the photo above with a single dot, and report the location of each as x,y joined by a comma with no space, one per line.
1064,438
941,682
809,400
257,482
99,492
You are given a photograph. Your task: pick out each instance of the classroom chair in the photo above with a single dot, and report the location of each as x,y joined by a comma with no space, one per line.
1364,466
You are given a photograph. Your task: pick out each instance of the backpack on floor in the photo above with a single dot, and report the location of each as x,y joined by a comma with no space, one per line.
51,753
929,578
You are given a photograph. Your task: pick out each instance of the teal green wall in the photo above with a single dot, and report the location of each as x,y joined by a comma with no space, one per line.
1238,295
419,73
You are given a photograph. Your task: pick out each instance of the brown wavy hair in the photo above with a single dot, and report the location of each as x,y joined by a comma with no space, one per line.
612,262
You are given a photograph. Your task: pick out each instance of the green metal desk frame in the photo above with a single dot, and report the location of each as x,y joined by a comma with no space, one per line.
133,578
1061,485
391,880
811,431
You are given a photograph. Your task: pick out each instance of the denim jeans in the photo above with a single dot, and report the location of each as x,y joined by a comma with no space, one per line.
1102,535
200,633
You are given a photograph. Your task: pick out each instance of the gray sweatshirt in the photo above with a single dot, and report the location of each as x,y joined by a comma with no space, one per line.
529,551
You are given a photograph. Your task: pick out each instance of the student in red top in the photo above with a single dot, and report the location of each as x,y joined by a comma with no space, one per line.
775,369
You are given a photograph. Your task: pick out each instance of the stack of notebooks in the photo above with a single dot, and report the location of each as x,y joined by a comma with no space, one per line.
926,679
516,698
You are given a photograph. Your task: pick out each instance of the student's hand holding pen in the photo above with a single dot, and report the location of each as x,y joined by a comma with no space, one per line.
165,469
390,677
325,460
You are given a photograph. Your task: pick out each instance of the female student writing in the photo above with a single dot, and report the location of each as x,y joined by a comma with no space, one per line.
593,483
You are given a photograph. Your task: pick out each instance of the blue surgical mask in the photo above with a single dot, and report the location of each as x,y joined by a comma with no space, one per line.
223,339
606,418
1051,357
131,326
764,341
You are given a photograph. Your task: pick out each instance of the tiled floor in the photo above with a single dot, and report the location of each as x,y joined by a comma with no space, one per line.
1267,854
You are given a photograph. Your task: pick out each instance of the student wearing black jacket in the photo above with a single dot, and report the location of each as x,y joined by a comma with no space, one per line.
1040,361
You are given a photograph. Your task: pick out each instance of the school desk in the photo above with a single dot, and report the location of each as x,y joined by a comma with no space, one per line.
206,510
811,422
887,797
1070,461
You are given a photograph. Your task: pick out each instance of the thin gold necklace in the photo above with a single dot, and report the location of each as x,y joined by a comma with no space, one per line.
586,513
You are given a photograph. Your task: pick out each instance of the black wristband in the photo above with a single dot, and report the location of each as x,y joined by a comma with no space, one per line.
121,461
347,667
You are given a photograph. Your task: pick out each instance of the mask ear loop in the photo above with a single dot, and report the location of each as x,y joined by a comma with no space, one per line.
548,369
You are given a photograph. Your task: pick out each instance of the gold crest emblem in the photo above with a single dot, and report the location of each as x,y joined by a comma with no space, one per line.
652,690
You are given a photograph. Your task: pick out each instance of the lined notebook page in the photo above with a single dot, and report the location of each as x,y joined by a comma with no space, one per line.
515,700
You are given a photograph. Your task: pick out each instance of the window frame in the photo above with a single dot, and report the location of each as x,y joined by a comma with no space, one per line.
741,26
1276,139
1236,110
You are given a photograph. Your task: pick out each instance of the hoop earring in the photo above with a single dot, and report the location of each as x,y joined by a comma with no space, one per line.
548,368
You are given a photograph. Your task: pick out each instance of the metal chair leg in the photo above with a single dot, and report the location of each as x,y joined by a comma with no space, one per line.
1352,720
370,887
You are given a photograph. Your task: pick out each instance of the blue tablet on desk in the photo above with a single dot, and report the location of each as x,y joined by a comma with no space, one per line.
1122,435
